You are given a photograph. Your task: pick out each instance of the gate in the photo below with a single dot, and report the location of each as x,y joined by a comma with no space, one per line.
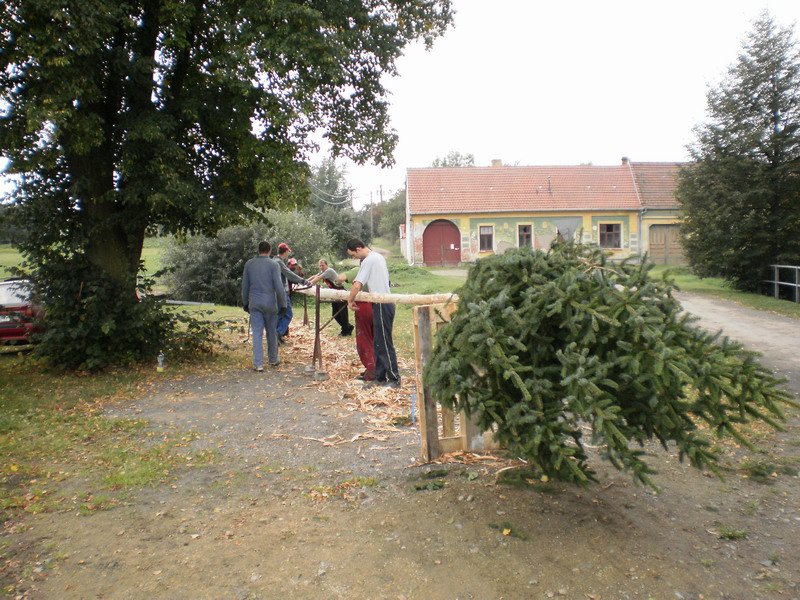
665,245
441,244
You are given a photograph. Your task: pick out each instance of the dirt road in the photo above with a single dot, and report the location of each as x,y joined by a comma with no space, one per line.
315,495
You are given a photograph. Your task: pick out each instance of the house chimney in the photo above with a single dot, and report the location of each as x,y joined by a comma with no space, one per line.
497,162
624,160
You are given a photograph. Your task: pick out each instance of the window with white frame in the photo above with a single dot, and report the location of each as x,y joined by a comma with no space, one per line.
487,238
524,236
610,235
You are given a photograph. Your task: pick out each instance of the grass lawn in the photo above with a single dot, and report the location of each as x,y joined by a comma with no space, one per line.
712,286
47,419
9,257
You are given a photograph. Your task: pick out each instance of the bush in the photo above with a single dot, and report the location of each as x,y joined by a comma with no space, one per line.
209,269
342,225
87,327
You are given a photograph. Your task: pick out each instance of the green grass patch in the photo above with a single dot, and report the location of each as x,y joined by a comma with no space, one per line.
718,288
731,533
9,257
58,447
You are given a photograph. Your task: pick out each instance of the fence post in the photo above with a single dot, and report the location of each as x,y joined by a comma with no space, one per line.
428,420
775,279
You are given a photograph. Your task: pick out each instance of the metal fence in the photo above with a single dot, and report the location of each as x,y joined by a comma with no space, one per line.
785,282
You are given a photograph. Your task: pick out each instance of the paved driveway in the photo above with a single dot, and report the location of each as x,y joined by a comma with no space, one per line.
775,336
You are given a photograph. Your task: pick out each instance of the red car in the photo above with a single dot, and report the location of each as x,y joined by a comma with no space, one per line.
17,311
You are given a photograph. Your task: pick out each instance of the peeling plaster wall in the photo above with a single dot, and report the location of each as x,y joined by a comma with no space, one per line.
544,228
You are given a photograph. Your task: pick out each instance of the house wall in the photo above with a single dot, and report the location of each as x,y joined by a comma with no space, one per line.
506,226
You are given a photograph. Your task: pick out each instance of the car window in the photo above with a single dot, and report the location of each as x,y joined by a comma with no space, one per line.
13,293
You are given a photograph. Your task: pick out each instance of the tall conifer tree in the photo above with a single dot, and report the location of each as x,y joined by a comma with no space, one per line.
741,196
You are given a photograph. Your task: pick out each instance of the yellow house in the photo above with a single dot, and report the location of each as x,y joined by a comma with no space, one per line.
457,215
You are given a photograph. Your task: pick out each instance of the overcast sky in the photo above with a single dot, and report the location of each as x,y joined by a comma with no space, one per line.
570,82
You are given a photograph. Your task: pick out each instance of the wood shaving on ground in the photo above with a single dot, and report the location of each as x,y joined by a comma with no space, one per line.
384,406
470,458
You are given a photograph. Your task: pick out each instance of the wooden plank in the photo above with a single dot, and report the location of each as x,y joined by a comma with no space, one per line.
451,444
471,434
428,422
448,422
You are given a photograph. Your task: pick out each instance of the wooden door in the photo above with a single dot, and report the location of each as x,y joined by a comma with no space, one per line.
665,245
441,244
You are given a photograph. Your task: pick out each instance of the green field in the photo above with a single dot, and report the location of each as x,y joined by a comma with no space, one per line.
416,280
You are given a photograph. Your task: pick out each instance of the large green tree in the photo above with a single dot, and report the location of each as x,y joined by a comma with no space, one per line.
741,195
184,114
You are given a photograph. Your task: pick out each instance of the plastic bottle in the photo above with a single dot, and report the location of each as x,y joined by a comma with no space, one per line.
160,367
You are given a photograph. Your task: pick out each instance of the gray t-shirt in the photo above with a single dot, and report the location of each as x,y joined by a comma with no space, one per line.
374,273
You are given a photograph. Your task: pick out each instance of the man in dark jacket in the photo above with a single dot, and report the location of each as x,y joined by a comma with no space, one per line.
286,276
264,298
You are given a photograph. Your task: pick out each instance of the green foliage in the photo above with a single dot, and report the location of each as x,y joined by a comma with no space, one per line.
559,349
10,230
741,196
119,117
339,225
393,214
209,269
87,327
454,159
328,187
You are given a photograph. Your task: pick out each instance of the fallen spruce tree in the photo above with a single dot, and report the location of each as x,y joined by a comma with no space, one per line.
559,349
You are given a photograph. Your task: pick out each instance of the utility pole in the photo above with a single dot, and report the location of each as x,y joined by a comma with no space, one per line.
371,233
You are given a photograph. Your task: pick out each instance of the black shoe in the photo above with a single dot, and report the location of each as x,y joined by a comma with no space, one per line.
275,364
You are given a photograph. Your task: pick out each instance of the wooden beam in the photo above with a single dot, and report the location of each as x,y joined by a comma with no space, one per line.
428,421
329,295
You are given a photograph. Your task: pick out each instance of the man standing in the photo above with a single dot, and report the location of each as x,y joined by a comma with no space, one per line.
365,338
339,308
286,276
264,298
375,274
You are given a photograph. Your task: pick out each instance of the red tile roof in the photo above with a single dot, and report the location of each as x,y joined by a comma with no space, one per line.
518,189
656,182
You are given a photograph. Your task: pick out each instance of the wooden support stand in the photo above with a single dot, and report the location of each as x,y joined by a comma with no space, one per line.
467,436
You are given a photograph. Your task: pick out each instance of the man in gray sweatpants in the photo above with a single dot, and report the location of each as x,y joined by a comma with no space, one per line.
264,298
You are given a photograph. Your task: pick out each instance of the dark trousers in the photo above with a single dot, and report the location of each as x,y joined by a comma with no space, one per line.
385,357
283,322
341,313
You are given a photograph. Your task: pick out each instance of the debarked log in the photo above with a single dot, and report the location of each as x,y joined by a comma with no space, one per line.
330,295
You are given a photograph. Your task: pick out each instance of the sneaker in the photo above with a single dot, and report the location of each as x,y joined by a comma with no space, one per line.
275,364
360,377
391,384
258,369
